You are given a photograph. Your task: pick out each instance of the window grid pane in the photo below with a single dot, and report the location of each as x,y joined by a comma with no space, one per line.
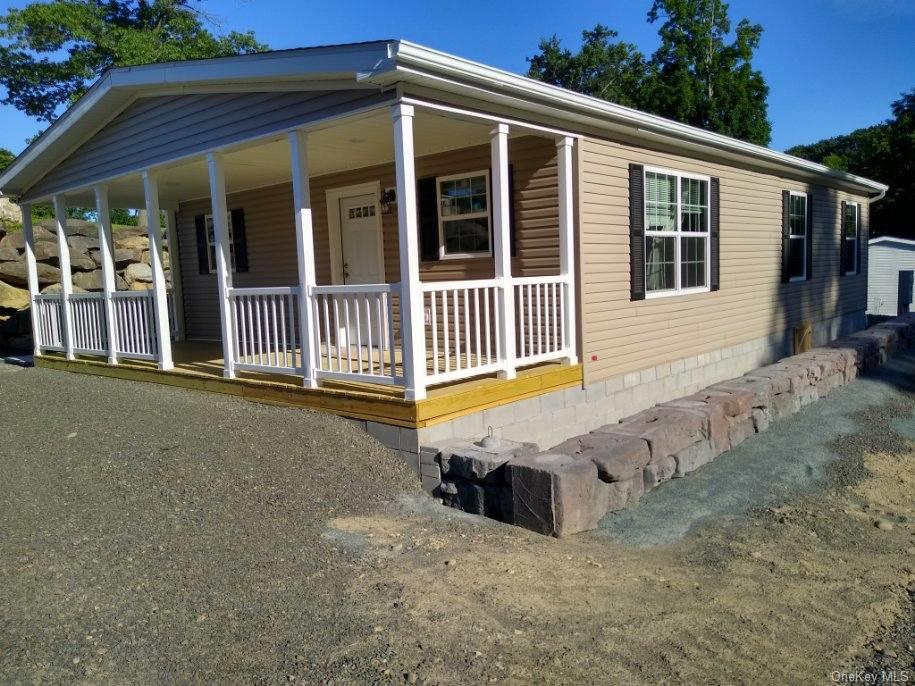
661,263
851,221
797,215
694,203
796,257
660,202
692,262
466,235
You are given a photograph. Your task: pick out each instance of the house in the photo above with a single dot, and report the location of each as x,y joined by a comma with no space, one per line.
890,276
434,247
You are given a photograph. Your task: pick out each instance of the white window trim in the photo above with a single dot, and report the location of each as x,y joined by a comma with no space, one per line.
678,234
206,229
443,254
806,196
854,240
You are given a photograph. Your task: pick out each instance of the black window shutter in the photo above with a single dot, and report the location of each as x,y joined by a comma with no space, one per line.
786,233
636,232
203,260
427,207
715,231
842,242
809,255
861,242
239,240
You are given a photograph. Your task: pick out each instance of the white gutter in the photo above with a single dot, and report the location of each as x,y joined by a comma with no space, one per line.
500,80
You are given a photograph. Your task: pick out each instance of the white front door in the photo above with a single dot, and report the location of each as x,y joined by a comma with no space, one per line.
360,244
359,227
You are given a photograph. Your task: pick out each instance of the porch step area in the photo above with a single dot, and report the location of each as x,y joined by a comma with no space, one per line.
569,488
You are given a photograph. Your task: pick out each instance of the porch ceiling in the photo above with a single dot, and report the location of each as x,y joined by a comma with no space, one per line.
352,143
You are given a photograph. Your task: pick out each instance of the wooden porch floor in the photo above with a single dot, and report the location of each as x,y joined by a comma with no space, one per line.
199,365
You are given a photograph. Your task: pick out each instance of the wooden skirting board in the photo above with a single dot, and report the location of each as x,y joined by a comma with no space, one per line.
357,401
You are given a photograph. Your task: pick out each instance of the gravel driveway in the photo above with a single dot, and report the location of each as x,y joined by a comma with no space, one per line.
148,532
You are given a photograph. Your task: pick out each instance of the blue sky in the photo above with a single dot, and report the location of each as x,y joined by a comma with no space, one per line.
832,65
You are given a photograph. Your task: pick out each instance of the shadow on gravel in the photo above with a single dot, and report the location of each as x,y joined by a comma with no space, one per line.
823,442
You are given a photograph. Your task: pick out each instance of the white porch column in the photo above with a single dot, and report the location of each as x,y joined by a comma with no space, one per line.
174,268
220,212
31,269
66,278
160,305
411,294
106,253
305,251
501,244
564,148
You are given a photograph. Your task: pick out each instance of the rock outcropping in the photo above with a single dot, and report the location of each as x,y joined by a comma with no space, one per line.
131,258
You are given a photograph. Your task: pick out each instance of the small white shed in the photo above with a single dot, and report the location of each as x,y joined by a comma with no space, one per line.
891,265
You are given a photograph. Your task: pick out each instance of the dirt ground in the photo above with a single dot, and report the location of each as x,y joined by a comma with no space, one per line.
222,541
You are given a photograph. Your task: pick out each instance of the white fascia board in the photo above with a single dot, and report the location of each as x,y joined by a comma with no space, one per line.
118,86
410,54
891,239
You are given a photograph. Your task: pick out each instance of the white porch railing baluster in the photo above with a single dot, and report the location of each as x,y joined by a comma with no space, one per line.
265,324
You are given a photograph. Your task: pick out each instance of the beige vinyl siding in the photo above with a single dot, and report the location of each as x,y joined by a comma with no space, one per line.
157,129
752,302
270,228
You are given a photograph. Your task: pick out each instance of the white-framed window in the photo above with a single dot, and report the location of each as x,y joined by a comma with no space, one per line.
211,242
464,221
797,236
850,224
677,238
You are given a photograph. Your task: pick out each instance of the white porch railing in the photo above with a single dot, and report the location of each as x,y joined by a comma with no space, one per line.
462,332
87,313
49,335
354,332
540,322
134,324
265,324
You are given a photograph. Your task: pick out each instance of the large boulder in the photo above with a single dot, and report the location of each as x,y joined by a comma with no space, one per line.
16,239
13,298
617,457
667,430
481,460
47,251
91,281
132,242
15,273
83,244
80,261
145,258
556,494
54,289
138,272
8,254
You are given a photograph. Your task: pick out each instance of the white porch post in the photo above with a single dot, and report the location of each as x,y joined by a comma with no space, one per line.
106,253
501,234
411,294
305,251
160,305
567,243
220,212
174,268
66,278
31,268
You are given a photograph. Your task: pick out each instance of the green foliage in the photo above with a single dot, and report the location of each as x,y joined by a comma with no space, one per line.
123,217
53,50
701,74
605,68
885,152
6,158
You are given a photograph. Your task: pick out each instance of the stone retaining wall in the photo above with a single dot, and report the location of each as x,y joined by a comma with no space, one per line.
572,486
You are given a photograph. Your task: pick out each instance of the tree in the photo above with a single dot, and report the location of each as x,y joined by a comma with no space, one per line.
53,50
605,68
885,152
699,76
6,158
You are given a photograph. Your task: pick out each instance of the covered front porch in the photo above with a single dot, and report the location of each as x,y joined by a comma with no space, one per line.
351,298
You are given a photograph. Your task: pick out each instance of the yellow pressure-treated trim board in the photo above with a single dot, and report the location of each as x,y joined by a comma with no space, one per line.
360,401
